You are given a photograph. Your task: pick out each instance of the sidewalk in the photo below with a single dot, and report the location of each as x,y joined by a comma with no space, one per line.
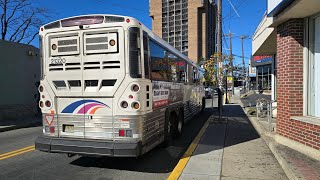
7,125
295,164
232,149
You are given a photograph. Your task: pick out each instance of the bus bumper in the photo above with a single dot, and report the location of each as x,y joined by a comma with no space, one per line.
88,147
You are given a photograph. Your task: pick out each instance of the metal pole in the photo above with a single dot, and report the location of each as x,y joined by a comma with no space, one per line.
269,114
231,63
243,64
219,39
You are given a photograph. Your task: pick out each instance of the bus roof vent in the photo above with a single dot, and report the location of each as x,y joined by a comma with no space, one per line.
83,20
111,19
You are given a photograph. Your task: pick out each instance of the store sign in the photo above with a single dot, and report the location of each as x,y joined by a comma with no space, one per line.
261,60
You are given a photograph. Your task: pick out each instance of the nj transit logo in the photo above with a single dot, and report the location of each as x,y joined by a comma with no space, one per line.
88,107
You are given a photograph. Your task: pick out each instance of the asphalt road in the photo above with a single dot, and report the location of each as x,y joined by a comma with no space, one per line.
157,164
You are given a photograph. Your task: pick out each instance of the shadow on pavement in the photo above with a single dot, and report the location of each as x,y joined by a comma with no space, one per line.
158,160
11,124
239,128
163,160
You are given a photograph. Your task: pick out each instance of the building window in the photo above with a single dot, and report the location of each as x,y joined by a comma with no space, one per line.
314,68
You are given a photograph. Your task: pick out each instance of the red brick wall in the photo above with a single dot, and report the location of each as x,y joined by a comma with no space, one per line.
290,37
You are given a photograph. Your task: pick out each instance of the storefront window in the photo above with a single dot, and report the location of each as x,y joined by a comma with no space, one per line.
264,77
314,69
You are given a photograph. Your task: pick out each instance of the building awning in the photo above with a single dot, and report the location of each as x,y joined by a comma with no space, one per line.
264,39
292,9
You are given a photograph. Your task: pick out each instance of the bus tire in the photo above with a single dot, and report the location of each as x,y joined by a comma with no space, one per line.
179,124
169,129
203,105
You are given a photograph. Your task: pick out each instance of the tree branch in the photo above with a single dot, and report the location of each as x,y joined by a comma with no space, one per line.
20,19
16,7
34,36
18,28
25,28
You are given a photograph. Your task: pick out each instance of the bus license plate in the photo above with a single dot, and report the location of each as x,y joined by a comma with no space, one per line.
68,128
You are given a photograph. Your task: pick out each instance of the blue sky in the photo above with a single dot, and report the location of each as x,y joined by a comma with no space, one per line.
250,11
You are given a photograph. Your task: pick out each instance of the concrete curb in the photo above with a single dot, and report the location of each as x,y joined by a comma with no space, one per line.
13,127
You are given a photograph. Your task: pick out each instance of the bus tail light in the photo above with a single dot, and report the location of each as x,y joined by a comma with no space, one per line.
121,132
135,88
124,104
48,103
112,42
52,129
54,46
41,88
125,133
136,105
41,104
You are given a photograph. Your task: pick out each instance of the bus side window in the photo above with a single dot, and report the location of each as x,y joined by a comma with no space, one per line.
182,70
146,55
173,67
190,73
195,75
159,64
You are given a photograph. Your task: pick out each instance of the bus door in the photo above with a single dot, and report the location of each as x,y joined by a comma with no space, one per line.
103,72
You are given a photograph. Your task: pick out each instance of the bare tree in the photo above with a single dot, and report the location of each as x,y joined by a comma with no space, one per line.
20,20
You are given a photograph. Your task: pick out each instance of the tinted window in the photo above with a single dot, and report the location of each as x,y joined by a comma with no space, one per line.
134,52
173,67
159,63
190,73
182,70
146,55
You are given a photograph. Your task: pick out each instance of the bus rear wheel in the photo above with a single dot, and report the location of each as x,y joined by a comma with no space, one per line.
169,130
179,125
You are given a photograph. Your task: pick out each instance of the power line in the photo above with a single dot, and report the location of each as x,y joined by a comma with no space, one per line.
230,15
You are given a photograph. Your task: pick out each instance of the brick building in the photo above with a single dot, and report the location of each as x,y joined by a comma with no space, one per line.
291,32
188,25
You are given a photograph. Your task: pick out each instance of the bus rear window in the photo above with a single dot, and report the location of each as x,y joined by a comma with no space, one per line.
84,20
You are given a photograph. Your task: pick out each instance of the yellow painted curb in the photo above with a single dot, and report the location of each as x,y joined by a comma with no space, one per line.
175,174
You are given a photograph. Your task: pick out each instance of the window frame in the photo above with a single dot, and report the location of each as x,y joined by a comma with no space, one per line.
139,50
146,63
309,62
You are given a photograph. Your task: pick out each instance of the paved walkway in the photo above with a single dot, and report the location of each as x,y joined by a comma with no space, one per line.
295,164
232,149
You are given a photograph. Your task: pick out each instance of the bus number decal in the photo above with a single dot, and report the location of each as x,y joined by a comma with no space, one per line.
58,60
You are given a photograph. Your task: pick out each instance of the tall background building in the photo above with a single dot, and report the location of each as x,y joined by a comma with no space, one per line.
188,25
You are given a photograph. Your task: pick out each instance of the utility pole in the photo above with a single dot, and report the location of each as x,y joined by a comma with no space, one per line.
219,41
231,61
243,64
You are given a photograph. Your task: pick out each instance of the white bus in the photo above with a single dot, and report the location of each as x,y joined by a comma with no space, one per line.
111,87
